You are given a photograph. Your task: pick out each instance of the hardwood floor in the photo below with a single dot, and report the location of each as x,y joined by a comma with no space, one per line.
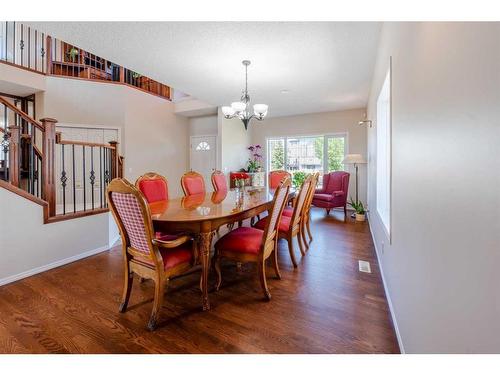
324,306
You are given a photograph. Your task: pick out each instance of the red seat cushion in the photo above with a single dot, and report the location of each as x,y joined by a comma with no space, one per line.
275,178
241,240
323,197
284,223
288,211
166,236
220,182
176,256
154,190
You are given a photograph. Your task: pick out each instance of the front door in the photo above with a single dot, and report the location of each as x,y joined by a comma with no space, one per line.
204,156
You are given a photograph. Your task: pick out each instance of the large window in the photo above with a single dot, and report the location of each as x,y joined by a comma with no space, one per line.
384,153
307,154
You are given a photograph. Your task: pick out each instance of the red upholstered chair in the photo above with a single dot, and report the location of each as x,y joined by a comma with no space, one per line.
291,226
247,244
155,189
219,181
143,254
275,178
333,193
192,183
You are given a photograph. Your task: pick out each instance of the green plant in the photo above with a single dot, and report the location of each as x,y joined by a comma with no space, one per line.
136,75
358,206
299,178
73,52
255,160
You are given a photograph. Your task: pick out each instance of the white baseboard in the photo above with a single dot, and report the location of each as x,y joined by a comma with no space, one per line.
58,263
114,241
389,302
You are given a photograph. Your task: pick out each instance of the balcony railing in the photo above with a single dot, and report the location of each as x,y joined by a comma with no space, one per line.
25,47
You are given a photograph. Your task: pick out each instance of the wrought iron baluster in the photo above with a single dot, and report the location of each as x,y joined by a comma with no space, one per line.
30,161
64,179
84,185
106,169
74,180
92,173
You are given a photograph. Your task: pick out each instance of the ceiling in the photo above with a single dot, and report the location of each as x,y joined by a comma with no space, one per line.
325,66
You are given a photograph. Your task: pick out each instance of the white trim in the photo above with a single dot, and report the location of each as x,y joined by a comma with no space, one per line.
114,241
58,263
386,289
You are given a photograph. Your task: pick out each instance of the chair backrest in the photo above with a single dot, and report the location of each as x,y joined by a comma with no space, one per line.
275,178
312,189
133,217
153,186
192,183
219,181
336,181
279,201
300,202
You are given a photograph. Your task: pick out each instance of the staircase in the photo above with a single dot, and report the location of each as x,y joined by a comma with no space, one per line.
28,154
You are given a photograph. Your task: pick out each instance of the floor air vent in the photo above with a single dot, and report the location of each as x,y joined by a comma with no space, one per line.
364,266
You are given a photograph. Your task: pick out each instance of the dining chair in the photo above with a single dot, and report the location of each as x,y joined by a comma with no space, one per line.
275,177
306,216
219,181
192,183
248,244
143,254
291,226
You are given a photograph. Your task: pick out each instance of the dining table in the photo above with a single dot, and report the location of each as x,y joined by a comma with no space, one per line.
201,215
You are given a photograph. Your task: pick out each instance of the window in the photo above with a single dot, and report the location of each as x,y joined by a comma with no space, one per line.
384,153
307,154
203,146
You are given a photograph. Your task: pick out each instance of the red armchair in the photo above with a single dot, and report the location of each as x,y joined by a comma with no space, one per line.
333,193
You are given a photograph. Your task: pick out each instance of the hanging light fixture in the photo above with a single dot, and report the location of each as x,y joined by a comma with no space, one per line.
241,109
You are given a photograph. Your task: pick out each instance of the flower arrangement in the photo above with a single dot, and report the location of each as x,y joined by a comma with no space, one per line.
239,178
255,159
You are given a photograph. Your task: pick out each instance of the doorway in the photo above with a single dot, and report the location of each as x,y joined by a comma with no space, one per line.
203,156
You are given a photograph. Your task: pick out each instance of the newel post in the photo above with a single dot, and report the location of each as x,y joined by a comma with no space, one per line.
122,74
114,159
14,155
48,164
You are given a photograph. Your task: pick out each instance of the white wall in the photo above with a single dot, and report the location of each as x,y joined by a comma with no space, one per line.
441,267
320,124
234,140
34,246
203,125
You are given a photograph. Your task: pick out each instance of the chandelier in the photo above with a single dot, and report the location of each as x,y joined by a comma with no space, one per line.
241,109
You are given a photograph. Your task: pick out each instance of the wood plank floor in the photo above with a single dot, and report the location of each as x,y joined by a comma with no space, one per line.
324,306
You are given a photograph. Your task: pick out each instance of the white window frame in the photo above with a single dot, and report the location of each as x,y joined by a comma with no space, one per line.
384,155
344,135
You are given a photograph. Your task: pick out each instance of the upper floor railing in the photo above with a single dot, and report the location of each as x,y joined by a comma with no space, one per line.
25,47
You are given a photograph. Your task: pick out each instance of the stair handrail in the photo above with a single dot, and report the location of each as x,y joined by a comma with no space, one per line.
22,114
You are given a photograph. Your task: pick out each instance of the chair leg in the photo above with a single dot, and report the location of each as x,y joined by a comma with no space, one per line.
127,288
263,282
217,272
303,234
345,212
157,303
275,264
327,211
290,249
301,246
230,226
309,230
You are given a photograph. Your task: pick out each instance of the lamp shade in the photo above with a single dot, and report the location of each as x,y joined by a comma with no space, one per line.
260,109
228,111
238,106
354,159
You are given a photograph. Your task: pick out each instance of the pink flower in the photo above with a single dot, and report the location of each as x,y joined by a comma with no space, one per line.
251,148
258,147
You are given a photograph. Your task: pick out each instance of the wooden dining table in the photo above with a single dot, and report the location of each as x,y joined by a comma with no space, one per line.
202,214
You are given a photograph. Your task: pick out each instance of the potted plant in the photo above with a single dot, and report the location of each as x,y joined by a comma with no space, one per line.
254,163
72,54
359,209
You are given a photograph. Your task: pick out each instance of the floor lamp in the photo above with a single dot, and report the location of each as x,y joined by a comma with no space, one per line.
355,159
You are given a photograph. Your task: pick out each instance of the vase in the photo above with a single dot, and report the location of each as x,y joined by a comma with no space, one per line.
360,217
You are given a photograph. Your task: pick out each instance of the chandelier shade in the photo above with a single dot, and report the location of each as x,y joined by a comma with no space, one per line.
242,109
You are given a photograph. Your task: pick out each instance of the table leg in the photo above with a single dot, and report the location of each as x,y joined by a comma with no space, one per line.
205,242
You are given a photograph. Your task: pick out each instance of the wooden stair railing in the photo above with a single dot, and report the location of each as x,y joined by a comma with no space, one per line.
34,165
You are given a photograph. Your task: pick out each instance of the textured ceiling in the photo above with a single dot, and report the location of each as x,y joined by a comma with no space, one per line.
325,66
